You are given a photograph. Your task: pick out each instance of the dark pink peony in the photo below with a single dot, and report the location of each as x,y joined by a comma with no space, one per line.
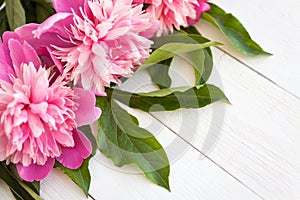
39,113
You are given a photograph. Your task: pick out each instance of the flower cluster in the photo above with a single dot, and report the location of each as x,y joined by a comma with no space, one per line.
175,13
51,72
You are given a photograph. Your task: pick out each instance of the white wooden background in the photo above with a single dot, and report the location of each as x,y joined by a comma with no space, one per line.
249,150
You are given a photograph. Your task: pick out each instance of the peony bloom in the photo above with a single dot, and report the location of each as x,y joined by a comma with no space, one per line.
175,13
200,8
106,40
39,113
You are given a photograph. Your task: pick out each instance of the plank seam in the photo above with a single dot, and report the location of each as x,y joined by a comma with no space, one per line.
210,159
257,72
91,197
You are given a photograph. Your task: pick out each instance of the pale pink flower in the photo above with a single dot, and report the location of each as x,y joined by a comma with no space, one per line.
106,40
175,13
39,113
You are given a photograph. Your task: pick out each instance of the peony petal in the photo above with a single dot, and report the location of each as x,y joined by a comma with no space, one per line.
5,56
56,61
2,52
82,144
65,139
35,125
70,158
138,1
25,32
39,108
35,172
86,112
149,33
57,23
202,7
22,53
5,71
40,86
73,157
41,44
66,5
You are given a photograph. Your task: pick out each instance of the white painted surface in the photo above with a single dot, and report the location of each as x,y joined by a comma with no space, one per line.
191,176
259,139
273,24
4,191
59,186
255,140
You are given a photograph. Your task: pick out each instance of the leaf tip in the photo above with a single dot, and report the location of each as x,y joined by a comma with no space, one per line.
267,54
227,101
166,186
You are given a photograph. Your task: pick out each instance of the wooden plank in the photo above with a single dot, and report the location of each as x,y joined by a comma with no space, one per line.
5,193
256,138
273,24
58,186
191,176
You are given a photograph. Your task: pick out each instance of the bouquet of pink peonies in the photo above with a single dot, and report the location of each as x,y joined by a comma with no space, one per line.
61,64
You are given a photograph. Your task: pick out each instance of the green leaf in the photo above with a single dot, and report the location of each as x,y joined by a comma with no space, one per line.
195,97
159,73
122,140
158,93
190,30
15,14
80,176
28,187
196,59
16,185
16,195
201,60
3,22
206,69
43,11
43,2
173,49
233,30
184,37
30,12
36,186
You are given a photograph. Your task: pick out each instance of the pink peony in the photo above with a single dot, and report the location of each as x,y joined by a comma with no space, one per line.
200,8
106,40
175,13
39,113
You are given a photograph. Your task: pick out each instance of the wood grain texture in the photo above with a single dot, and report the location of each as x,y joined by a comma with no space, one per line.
258,139
4,191
275,26
58,186
192,177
